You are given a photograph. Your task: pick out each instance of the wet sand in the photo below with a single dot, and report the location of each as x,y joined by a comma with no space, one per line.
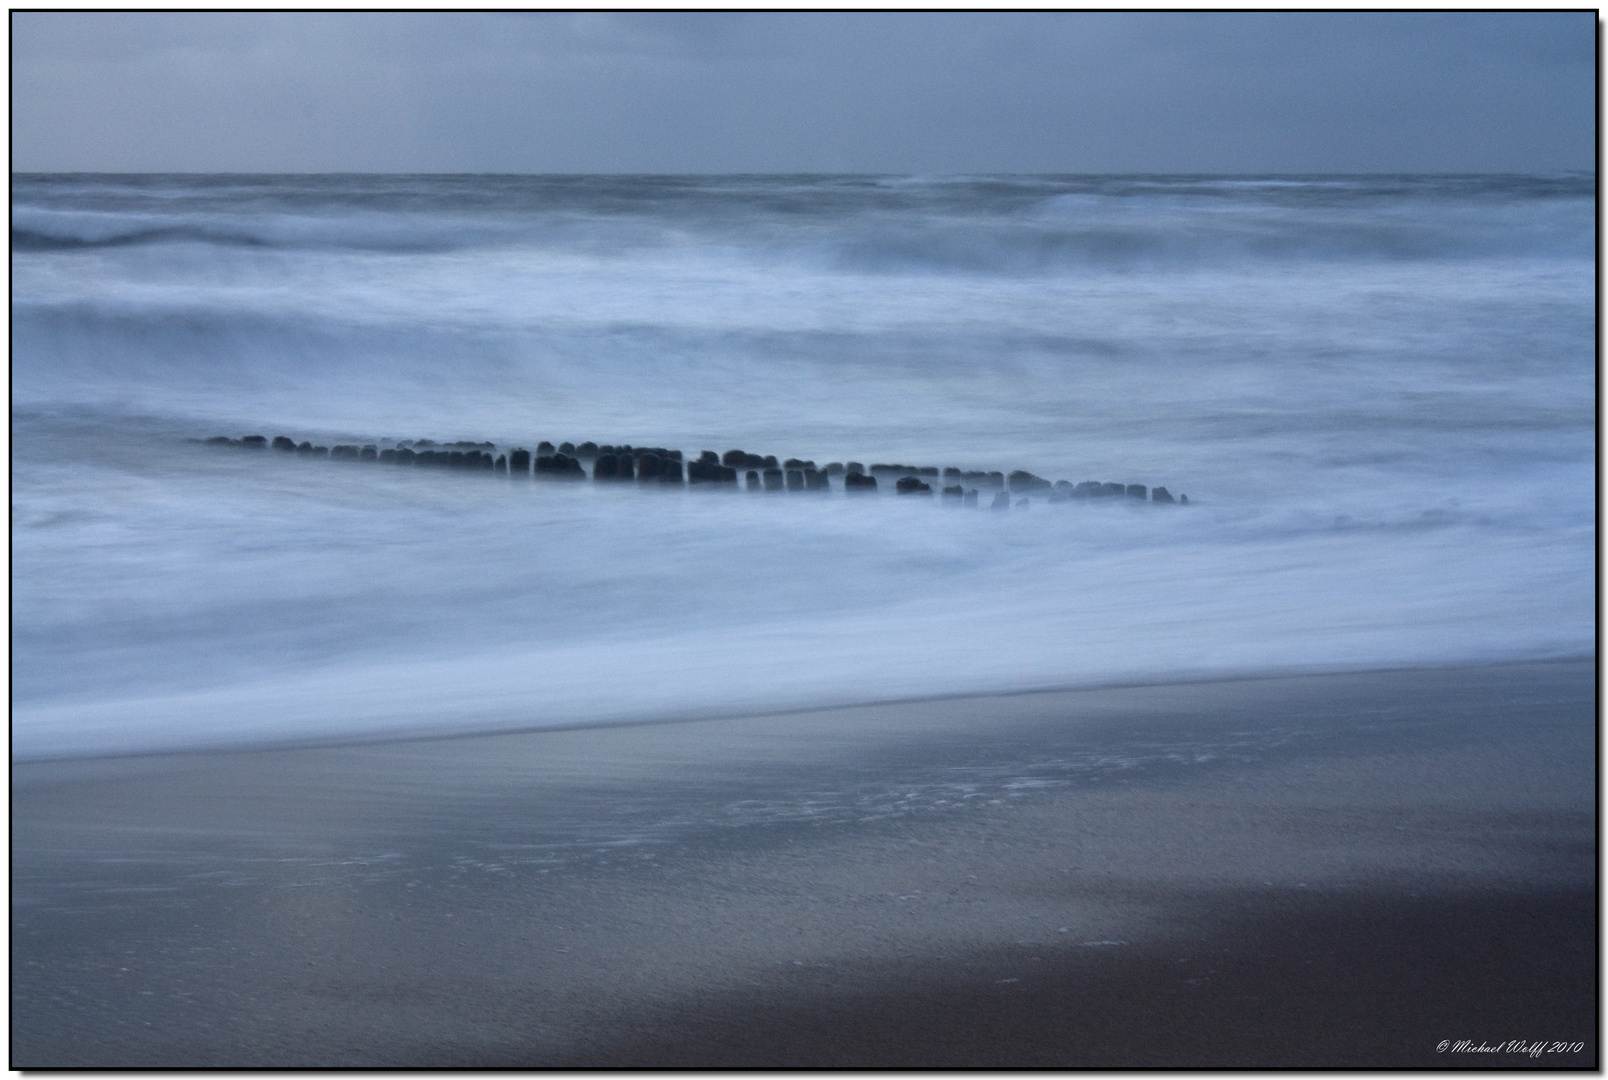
1328,870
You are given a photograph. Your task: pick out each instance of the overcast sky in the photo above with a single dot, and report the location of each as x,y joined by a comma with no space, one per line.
814,92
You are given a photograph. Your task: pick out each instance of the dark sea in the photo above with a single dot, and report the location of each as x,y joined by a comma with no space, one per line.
1378,394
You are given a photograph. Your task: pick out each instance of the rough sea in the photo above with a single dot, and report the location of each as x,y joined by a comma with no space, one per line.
1378,394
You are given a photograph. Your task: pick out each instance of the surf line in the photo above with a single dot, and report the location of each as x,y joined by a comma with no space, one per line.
754,472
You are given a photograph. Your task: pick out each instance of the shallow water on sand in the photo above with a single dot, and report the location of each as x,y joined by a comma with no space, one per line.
561,896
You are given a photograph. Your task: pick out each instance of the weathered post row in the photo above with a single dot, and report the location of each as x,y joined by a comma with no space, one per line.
736,468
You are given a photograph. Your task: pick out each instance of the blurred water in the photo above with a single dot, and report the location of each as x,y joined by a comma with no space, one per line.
1378,394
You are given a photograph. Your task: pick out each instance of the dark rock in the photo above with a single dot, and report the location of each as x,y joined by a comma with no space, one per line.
1161,495
1136,491
834,468
559,467
1183,500
854,467
254,442
282,443
519,462
909,485
1113,489
405,456
752,480
545,447
1089,489
370,453
704,471
566,448
343,452
425,442
739,459
1002,501
587,449
773,479
657,464
501,465
1021,481
304,447
816,480
768,461
795,463
857,482
951,476
709,457
953,494
321,451
626,470
220,440
795,479
606,467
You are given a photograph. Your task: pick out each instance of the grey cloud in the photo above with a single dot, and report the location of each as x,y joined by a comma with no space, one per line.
757,92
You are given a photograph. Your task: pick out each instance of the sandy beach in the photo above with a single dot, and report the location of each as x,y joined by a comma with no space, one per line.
1384,868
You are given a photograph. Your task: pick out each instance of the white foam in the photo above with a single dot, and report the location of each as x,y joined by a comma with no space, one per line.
1389,454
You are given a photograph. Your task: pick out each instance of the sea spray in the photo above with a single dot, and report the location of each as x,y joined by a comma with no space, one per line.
1378,393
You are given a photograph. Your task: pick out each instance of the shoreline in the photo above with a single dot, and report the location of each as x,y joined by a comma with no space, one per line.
878,885
737,714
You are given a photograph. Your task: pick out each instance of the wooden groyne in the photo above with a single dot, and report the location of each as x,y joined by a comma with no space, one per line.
735,470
